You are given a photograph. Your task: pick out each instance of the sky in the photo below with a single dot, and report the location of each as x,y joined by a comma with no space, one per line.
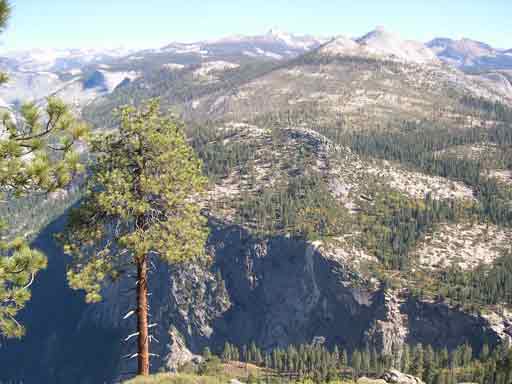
154,23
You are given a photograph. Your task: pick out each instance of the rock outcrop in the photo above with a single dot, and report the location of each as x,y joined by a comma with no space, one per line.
273,291
396,377
281,291
392,376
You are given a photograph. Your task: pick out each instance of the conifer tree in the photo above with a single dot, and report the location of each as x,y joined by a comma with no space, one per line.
336,356
406,359
429,364
444,358
365,359
467,355
356,362
344,358
37,155
484,353
418,361
140,204
226,353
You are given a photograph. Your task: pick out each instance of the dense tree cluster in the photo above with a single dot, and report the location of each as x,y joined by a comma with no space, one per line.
301,206
219,155
419,147
172,87
486,285
490,109
391,223
320,364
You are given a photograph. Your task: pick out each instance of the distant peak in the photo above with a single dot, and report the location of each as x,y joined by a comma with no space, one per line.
277,33
382,44
379,33
274,31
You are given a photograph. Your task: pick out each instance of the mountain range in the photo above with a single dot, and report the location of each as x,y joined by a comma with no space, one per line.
67,72
359,191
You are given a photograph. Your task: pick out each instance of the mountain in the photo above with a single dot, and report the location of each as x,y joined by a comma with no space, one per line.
470,54
359,193
60,60
382,44
275,44
66,73
70,73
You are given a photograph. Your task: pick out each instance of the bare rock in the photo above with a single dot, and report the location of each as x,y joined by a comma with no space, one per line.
367,380
179,354
396,377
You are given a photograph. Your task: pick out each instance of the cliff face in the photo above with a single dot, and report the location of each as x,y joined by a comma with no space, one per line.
271,291
281,291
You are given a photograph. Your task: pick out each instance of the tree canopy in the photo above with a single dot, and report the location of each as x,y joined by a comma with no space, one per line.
141,202
38,154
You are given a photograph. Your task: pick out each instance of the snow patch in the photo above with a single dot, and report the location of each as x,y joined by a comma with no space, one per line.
113,79
75,72
173,66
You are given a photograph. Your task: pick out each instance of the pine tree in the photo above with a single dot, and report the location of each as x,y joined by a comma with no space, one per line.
444,358
467,355
344,358
37,154
484,353
245,354
5,12
336,356
356,362
207,353
365,359
429,364
418,361
406,359
226,353
258,358
374,360
140,204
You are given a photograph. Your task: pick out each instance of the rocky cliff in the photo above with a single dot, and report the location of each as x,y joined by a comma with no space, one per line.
282,291
272,291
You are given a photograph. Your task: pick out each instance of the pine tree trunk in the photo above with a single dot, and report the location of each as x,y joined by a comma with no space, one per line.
142,317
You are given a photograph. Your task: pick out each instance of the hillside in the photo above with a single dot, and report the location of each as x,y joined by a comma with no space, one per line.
359,191
470,55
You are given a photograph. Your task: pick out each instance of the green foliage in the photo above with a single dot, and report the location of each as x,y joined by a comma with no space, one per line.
490,109
141,201
417,145
392,223
180,378
300,206
219,158
37,154
315,363
173,88
5,12
17,273
210,366
486,285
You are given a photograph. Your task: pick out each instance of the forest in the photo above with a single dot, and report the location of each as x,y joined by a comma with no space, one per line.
319,364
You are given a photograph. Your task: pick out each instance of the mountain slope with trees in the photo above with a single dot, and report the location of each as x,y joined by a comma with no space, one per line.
330,179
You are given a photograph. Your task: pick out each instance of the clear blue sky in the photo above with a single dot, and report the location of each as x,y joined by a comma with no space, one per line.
136,23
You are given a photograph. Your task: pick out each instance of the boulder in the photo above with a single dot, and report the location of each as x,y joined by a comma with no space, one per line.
396,377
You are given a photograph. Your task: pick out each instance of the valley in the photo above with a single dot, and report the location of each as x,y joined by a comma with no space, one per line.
359,192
